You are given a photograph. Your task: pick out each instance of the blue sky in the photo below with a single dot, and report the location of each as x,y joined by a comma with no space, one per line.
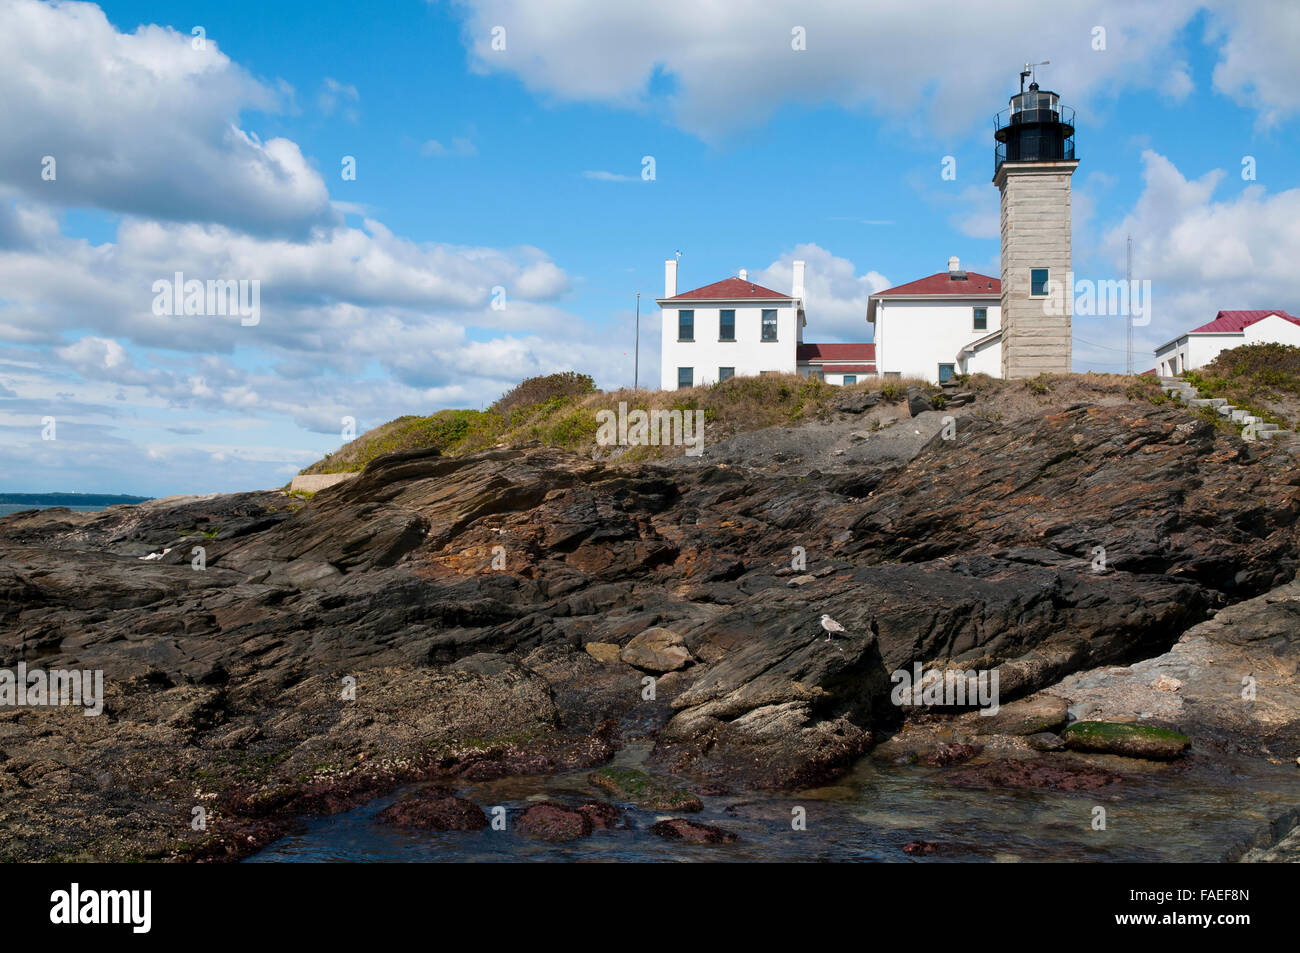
521,168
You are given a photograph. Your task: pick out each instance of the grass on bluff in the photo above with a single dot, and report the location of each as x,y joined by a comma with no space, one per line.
559,410
1263,379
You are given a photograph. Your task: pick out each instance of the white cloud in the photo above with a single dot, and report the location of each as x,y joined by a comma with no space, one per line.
1258,65
143,123
460,147
835,295
339,96
1205,254
731,67
600,175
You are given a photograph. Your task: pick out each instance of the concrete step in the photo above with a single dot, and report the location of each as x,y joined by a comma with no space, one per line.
1226,410
1273,434
1208,401
1238,415
1265,428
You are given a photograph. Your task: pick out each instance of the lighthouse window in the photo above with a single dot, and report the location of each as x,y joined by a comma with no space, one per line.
981,319
684,377
727,325
726,374
769,324
1038,281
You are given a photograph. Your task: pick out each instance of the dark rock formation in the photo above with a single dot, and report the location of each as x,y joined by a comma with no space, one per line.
691,832
333,650
554,822
434,809
1055,774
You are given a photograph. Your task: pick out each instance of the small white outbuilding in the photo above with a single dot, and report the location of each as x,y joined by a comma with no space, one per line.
1229,329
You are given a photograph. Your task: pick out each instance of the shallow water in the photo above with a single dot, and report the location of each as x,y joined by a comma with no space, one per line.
7,508
1187,813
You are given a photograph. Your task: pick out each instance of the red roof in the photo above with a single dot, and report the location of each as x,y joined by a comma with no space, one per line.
1234,322
850,369
835,352
942,283
730,289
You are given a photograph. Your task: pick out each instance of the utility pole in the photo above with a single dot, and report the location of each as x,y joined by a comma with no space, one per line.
636,360
1128,309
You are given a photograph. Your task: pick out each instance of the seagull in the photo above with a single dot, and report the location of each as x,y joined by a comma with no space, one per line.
831,626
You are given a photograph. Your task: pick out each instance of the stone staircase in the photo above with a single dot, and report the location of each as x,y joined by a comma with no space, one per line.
1177,387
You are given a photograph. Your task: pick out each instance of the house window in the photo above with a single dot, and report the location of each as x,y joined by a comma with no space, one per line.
726,374
684,377
947,372
1038,281
850,379
686,325
727,325
769,324
981,319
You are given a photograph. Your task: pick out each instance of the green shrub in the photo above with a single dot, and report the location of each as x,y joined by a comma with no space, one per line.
541,390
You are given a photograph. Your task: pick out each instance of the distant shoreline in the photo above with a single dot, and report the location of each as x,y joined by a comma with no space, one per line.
69,499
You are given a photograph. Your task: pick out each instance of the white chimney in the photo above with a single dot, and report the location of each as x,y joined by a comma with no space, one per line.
744,275
670,278
954,265
797,290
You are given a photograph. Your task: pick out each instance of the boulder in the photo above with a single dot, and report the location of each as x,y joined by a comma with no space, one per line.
554,822
1122,738
691,832
917,402
606,652
434,809
1028,716
656,650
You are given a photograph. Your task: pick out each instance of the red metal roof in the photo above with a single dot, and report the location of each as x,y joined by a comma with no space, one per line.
730,289
835,352
941,284
849,369
1234,322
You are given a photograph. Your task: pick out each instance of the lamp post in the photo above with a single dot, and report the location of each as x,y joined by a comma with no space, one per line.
636,360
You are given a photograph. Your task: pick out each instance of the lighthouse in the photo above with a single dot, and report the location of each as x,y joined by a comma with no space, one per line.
1032,166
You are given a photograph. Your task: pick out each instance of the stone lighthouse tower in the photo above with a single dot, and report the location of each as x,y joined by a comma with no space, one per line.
1033,163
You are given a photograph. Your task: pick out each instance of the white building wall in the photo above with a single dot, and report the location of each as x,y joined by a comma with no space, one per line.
987,360
1196,350
1171,360
1203,348
914,337
748,354
1273,330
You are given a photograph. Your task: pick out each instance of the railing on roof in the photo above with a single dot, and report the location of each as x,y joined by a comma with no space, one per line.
1041,134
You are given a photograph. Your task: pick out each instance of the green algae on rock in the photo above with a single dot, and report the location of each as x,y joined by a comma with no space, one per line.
643,790
1123,738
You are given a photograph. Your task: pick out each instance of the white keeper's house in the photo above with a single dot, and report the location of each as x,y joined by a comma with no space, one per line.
933,328
938,326
736,328
1229,329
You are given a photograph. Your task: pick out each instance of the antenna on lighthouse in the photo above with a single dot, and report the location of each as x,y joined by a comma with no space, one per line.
1028,72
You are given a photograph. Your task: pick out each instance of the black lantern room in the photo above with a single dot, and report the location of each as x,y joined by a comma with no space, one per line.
1034,128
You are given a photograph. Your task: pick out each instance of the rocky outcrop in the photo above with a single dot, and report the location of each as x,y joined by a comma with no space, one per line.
445,618
434,809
